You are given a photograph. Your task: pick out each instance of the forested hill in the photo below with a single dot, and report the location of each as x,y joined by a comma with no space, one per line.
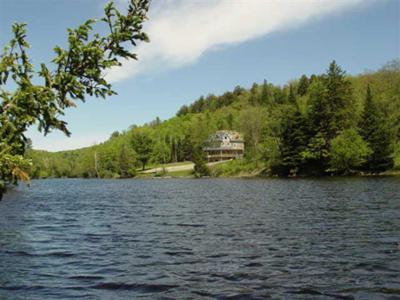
321,124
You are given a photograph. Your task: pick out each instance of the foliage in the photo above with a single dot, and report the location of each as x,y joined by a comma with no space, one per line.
304,83
376,132
291,134
126,161
253,121
293,141
348,152
242,167
142,145
30,97
396,159
200,167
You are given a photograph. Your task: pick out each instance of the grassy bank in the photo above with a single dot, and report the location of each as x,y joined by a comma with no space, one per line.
241,169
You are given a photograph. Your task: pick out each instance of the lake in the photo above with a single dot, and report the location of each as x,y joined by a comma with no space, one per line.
332,238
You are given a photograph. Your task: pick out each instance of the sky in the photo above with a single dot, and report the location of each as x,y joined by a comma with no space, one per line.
200,47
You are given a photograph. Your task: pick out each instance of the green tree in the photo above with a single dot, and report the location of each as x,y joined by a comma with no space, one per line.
184,110
348,152
115,134
265,98
271,133
317,151
292,96
375,131
252,125
126,162
340,101
293,142
40,97
304,83
331,111
142,144
161,152
316,156
331,99
254,94
200,167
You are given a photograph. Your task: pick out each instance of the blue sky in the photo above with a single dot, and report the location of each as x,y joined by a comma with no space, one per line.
209,46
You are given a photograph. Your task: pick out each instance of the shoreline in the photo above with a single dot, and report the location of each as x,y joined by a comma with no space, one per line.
242,176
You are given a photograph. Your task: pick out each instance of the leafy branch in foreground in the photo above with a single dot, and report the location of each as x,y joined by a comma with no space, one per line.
77,71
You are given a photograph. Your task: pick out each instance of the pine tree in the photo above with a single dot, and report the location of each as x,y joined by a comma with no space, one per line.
319,116
340,108
265,98
331,112
253,99
200,167
293,142
292,96
304,83
375,132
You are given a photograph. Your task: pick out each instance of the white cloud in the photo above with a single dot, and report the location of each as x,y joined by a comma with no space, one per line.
181,31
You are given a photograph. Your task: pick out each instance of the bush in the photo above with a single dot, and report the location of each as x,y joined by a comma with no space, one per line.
201,169
397,157
234,167
348,152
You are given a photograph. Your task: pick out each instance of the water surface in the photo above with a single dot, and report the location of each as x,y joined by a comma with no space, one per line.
201,239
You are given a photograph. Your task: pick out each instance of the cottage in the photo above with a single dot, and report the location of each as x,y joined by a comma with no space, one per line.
224,145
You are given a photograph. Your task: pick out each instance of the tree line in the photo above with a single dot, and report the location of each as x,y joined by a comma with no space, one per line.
330,123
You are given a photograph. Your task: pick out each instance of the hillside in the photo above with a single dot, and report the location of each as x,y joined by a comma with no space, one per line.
321,124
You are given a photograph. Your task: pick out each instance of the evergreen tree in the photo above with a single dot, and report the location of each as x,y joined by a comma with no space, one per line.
303,85
318,121
331,112
200,167
265,98
374,130
313,77
339,106
115,134
254,94
293,142
238,90
184,110
280,97
292,96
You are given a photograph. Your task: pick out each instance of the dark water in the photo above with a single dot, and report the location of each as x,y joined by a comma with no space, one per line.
201,239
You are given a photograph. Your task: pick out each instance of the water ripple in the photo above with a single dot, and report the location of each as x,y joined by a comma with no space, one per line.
201,239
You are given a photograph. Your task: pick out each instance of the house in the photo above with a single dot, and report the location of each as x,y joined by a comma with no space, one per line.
224,145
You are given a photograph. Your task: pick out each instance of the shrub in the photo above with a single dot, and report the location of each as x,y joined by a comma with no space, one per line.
348,152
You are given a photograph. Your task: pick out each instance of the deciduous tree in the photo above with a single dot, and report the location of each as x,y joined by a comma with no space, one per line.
143,145
348,152
40,97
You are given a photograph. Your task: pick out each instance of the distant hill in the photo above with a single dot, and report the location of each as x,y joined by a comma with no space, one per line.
284,129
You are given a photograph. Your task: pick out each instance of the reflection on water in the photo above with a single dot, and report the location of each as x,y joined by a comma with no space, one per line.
202,239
